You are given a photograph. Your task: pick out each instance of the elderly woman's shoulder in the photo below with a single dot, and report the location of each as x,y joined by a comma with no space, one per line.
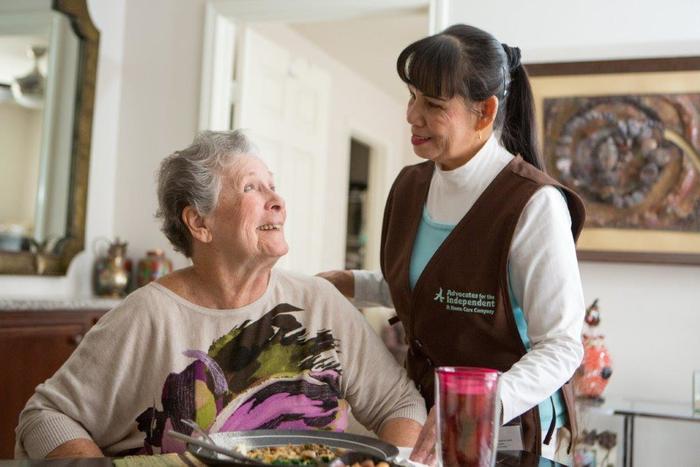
305,282
143,303
318,295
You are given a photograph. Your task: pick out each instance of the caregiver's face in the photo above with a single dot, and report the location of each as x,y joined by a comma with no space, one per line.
442,130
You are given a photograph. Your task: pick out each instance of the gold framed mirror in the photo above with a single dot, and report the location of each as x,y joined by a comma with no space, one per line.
46,106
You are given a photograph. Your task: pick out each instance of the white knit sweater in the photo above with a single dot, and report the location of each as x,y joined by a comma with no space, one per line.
294,358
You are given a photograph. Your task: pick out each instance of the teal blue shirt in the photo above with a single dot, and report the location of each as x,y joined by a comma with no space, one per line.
429,237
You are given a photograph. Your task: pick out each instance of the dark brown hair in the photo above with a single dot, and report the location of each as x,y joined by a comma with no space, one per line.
466,61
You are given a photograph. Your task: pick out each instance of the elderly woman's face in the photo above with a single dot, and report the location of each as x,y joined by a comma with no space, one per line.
442,130
248,221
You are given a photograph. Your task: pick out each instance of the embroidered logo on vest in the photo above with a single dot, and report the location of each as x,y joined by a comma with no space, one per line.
466,302
439,297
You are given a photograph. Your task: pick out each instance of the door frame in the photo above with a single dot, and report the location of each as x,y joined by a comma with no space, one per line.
376,195
224,28
224,19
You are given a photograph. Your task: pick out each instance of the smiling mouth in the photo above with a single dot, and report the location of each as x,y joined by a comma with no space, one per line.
270,227
416,140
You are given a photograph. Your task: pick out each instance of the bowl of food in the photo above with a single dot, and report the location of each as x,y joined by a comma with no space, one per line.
293,447
294,454
359,459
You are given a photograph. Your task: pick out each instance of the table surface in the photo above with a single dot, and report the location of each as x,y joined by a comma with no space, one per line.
643,408
505,459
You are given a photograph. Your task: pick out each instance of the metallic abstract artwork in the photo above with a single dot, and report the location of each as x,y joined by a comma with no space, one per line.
633,158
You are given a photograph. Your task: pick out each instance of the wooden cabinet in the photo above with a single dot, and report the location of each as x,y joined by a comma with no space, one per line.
33,345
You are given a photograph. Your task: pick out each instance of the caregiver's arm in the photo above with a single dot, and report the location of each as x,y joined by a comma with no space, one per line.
362,288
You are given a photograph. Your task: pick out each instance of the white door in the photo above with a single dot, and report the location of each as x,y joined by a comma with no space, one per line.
284,104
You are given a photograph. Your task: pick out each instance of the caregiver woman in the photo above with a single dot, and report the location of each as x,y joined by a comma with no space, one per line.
477,248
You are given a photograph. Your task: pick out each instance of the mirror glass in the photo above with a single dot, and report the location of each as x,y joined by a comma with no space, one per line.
47,74
38,68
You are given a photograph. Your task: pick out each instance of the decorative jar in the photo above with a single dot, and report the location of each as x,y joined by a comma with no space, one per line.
151,267
112,272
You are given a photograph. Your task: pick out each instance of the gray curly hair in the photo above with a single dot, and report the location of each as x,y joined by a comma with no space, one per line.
192,177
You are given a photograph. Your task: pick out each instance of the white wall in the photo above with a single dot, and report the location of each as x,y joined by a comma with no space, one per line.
650,318
357,108
650,314
369,45
552,30
159,111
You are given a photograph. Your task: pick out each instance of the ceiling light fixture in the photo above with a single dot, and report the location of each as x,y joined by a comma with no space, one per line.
28,90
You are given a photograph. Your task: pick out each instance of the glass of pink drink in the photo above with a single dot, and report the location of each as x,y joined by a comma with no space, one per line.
466,400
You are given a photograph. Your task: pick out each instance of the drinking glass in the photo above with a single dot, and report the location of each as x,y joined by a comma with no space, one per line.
467,400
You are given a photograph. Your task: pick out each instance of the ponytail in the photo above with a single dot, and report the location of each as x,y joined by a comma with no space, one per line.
519,133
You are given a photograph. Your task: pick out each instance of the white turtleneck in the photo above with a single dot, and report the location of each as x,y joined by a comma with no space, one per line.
453,192
543,273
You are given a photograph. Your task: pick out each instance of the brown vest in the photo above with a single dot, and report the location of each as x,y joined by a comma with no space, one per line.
459,312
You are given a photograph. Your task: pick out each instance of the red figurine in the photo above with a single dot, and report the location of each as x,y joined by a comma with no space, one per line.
596,369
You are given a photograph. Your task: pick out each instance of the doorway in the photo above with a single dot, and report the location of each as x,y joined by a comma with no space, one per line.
305,87
358,186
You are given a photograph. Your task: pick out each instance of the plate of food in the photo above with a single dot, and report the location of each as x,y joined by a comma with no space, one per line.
293,447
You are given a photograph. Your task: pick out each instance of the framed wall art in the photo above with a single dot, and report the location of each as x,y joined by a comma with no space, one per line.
625,135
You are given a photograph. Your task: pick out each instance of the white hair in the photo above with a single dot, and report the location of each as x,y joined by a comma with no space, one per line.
192,177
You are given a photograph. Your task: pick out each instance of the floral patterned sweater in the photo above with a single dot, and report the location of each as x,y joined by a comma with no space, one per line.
299,357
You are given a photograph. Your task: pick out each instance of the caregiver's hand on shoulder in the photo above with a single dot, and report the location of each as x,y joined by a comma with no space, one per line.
344,281
424,450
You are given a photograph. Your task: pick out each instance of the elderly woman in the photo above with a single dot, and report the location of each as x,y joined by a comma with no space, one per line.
228,342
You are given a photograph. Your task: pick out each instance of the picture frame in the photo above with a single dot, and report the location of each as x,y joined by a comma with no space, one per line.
623,226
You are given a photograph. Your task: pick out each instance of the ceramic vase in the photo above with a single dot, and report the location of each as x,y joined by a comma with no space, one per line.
151,267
